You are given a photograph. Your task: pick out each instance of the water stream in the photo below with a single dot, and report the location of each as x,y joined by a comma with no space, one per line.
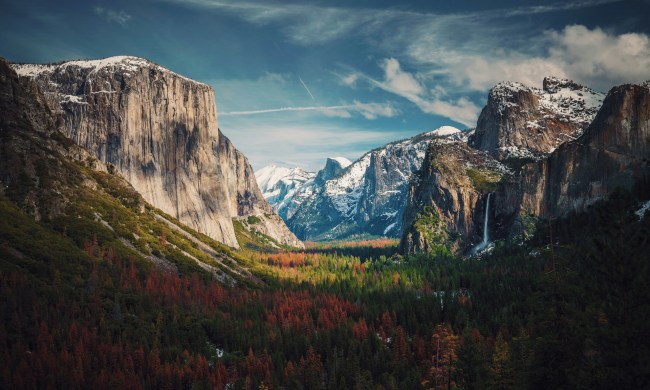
486,236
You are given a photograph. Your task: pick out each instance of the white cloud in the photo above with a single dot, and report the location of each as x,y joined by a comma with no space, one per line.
119,17
404,84
599,58
309,24
350,80
464,52
592,57
279,78
400,82
374,110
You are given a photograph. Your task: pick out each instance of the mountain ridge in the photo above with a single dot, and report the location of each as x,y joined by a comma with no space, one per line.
366,197
553,180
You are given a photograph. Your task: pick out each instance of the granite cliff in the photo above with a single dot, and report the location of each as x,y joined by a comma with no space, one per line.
539,153
159,130
447,198
79,205
613,152
529,123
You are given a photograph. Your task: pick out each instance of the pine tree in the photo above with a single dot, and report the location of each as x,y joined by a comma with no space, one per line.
501,373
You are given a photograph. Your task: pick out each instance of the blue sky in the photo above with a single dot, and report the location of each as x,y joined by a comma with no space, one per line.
297,81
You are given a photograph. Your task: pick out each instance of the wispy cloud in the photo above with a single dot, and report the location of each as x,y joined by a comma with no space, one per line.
557,7
405,84
310,24
305,145
462,53
119,17
367,110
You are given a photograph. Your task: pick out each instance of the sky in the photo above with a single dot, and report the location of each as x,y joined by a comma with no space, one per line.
299,81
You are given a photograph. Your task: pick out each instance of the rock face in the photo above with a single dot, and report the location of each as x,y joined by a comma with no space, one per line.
159,131
34,154
529,123
613,152
333,167
447,198
366,198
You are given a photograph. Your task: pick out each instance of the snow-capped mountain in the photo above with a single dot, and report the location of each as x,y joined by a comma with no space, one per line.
534,153
368,196
279,185
526,122
286,189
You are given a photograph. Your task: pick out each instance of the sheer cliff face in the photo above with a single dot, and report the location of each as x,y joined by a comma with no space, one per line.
447,197
613,152
159,130
529,123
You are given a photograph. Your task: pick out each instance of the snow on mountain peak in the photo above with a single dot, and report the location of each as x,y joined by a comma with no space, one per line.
280,185
344,162
564,98
535,121
123,63
444,131
269,176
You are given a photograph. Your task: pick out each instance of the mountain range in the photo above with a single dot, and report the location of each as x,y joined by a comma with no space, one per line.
363,198
538,160
541,152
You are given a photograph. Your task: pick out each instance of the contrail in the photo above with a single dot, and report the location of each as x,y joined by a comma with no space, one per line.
312,108
305,85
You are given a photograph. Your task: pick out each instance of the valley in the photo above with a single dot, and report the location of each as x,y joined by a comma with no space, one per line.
138,249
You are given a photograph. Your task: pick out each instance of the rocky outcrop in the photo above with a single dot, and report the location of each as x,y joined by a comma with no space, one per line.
447,199
333,167
613,152
366,198
159,131
447,196
35,157
528,123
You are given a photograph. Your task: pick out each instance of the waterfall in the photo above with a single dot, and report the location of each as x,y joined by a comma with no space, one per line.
486,236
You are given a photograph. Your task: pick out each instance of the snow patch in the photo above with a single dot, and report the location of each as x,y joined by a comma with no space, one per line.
344,162
443,131
123,63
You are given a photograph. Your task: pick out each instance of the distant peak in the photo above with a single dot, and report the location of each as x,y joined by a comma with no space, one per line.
342,161
509,86
443,131
553,84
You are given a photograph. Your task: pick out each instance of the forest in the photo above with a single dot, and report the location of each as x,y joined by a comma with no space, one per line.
565,307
